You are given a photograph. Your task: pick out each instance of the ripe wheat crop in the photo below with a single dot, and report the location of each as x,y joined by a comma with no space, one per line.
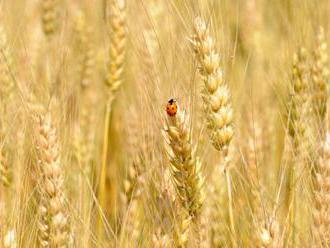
162,123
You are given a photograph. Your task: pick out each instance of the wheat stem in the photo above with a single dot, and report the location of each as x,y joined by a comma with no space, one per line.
230,206
103,173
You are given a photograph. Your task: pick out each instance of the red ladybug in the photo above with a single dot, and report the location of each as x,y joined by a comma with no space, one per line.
171,107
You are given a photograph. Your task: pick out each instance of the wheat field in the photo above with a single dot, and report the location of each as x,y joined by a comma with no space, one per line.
164,123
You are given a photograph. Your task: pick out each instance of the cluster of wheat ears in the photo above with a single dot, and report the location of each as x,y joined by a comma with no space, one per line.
89,156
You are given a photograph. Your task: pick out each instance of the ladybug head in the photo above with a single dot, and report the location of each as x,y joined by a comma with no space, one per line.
171,101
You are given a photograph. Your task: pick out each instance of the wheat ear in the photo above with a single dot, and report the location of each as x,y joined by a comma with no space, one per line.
321,210
216,96
117,46
298,99
132,187
217,212
297,113
86,53
50,17
185,166
4,173
7,82
7,87
51,188
320,78
185,170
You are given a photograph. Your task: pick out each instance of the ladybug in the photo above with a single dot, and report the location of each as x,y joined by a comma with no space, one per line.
171,107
